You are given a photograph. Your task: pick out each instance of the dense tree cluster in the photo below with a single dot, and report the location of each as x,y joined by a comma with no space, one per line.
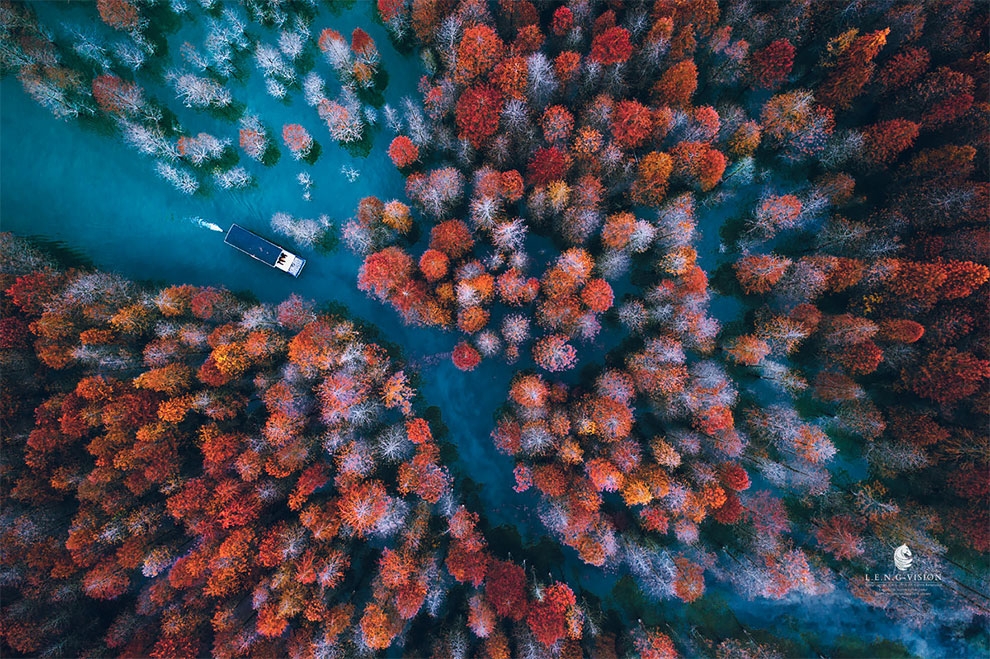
869,289
860,246
224,477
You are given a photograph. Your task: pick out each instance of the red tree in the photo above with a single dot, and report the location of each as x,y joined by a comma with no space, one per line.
947,376
631,124
465,357
557,124
511,77
478,50
758,273
698,162
677,85
690,582
566,65
906,66
554,354
612,46
886,140
841,536
901,330
652,178
433,264
547,618
116,96
597,295
529,391
772,65
403,152
505,588
467,563
477,114
563,21
547,165
384,272
118,14
452,237
852,70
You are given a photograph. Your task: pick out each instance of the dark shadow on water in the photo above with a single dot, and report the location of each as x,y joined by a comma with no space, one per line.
337,7
205,190
724,282
314,153
162,21
413,235
307,60
731,231
229,113
98,123
229,158
375,95
169,121
272,155
434,417
329,240
634,603
61,253
362,147
853,647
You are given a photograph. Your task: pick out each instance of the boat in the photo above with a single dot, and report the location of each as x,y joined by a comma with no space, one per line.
265,251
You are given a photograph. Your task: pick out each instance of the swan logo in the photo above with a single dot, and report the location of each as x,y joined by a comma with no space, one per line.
907,576
902,558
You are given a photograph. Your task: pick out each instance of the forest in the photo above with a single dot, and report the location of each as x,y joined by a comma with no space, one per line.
728,259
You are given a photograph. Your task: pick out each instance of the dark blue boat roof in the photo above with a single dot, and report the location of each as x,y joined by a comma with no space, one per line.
253,245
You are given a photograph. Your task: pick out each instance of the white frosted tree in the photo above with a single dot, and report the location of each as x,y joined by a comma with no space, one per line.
54,98
420,131
182,180
642,237
488,343
275,88
313,89
235,178
202,148
358,237
542,81
193,57
89,47
304,231
292,44
392,119
510,235
269,59
253,137
515,329
338,54
149,140
199,92
343,117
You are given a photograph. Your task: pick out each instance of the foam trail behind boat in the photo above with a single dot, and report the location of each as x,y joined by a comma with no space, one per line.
200,222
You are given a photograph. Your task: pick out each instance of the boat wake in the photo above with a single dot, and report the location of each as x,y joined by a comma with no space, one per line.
200,222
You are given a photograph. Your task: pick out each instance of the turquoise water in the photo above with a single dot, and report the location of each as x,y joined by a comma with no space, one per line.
102,199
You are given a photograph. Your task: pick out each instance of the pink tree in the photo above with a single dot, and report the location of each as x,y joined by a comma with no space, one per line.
298,140
554,353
